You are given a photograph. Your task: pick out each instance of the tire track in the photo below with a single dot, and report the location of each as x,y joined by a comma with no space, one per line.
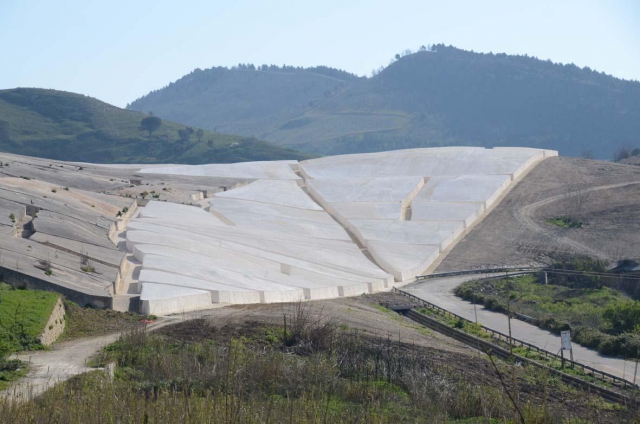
524,217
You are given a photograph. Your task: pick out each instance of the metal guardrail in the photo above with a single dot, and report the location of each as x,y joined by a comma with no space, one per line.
600,375
526,270
493,349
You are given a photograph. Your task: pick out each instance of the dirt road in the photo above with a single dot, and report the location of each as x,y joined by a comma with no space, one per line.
525,216
603,195
65,360
70,358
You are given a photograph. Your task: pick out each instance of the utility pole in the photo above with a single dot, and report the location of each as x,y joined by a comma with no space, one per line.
513,359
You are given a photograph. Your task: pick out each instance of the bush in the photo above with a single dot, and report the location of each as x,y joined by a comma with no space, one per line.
626,344
588,337
495,305
623,318
553,325
579,281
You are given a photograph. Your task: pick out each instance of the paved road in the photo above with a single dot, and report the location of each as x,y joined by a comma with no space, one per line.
439,292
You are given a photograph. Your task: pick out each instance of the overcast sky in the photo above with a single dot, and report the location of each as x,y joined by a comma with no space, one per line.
118,50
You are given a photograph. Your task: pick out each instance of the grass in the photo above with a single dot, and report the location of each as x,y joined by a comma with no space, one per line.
525,352
85,322
601,318
67,126
23,316
310,372
564,222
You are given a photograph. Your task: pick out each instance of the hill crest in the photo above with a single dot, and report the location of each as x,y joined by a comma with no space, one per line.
69,126
447,96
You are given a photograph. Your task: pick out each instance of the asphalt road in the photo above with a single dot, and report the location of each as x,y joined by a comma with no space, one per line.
439,291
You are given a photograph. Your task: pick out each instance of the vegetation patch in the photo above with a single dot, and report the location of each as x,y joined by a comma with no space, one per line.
564,222
68,126
85,322
307,371
23,316
599,317
523,351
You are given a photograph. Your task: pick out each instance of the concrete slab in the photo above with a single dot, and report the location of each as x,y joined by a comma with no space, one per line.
275,192
436,233
399,189
366,210
446,211
466,188
276,170
162,299
403,260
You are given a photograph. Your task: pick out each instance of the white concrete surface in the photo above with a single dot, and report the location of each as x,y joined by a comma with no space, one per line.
414,197
450,161
401,189
162,299
281,238
465,188
446,211
276,192
436,233
403,260
366,210
276,170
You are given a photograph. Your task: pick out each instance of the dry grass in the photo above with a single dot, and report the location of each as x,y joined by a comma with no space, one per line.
308,371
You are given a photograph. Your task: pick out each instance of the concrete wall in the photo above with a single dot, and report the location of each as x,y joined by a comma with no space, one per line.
55,325
18,279
121,224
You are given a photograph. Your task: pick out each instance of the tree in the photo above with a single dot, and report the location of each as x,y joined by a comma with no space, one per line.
150,124
199,134
185,134
621,153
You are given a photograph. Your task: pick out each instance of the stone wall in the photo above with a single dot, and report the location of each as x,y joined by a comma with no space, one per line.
55,325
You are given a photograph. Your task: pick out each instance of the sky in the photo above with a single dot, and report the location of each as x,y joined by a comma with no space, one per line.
119,50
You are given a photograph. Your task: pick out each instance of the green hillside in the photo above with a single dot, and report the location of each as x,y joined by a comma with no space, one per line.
433,97
67,126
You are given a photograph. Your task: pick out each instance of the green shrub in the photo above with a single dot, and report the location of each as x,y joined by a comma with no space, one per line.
554,325
564,222
623,318
495,305
588,337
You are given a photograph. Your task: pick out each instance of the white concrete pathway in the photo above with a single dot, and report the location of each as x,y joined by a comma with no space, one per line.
439,291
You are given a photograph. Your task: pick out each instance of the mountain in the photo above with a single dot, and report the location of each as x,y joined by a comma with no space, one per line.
67,126
441,96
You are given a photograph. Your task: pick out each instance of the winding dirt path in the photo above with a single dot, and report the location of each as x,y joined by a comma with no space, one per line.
67,359
524,217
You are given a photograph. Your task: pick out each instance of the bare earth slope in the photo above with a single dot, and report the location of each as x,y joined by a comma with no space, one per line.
601,194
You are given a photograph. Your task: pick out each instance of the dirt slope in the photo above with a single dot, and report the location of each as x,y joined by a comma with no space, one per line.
603,195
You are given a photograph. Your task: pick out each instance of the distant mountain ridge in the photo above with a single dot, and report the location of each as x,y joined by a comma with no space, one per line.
68,126
447,96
